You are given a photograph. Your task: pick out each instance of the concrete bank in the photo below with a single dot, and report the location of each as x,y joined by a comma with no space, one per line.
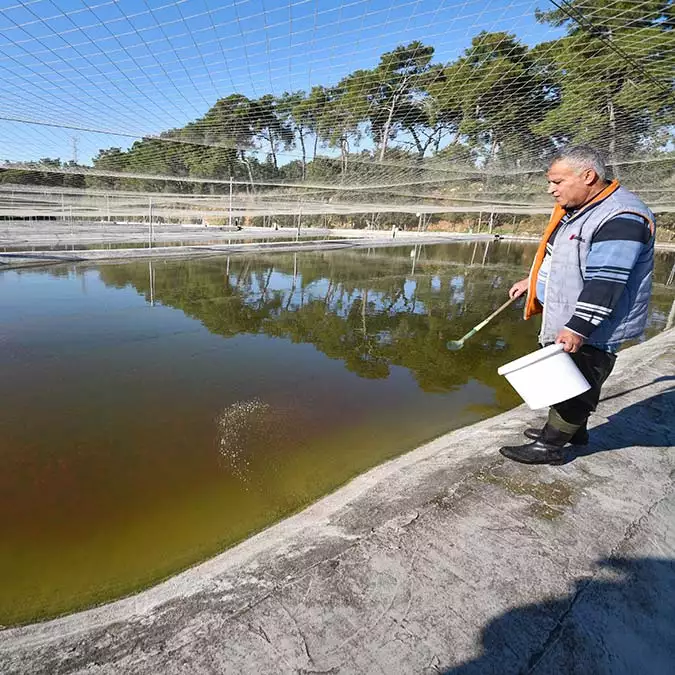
11,259
449,559
22,235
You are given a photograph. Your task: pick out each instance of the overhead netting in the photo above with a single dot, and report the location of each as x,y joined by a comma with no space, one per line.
201,109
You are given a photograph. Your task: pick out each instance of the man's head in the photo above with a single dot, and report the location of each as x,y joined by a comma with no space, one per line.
576,175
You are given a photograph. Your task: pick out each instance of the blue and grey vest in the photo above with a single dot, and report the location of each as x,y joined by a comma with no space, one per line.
567,274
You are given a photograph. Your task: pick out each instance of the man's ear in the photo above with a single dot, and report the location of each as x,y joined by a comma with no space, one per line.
590,177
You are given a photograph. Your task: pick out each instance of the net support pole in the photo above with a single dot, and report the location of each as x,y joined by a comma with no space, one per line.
229,218
150,222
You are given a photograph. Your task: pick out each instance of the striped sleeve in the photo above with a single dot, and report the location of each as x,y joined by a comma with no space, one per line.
614,251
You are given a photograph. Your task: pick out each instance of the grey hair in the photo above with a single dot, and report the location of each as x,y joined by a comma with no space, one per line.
582,157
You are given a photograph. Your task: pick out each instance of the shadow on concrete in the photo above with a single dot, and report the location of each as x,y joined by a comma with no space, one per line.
621,623
646,423
664,378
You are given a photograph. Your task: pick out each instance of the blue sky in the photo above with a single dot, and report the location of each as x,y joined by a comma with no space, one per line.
132,68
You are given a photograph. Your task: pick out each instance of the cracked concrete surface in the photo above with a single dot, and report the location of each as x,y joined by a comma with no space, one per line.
449,559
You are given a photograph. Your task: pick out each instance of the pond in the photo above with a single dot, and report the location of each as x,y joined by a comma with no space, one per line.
155,413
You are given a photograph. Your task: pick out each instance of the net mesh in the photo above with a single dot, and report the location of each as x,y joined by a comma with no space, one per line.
263,107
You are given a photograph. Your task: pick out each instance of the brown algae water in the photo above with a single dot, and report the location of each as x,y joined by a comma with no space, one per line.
156,413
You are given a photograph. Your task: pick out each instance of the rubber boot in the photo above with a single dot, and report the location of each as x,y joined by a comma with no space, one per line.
549,448
580,436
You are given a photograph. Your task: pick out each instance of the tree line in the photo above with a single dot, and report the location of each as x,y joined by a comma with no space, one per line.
499,105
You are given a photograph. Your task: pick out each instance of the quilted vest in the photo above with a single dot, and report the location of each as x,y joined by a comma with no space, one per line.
568,266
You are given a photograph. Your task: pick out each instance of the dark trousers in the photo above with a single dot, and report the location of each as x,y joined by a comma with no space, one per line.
595,365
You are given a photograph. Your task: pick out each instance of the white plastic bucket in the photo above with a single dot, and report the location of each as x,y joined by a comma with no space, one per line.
545,377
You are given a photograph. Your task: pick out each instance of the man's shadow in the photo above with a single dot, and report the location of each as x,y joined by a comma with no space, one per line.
621,624
649,422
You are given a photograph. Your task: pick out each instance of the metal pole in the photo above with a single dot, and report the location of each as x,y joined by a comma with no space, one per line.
152,284
487,246
473,255
150,223
229,221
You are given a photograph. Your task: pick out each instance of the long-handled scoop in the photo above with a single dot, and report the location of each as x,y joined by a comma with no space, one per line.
454,345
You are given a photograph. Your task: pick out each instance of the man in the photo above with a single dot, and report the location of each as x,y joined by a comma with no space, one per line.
591,278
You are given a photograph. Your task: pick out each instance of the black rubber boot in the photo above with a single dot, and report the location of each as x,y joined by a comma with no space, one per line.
549,448
580,436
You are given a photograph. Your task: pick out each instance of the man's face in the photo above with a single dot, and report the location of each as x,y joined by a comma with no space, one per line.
569,187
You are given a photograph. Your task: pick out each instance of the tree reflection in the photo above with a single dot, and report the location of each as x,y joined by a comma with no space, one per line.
365,308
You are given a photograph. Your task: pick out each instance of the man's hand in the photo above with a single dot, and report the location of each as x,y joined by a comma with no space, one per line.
571,341
519,288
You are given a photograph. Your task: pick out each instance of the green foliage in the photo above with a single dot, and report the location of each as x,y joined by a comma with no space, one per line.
56,174
396,93
616,70
499,94
500,105
370,312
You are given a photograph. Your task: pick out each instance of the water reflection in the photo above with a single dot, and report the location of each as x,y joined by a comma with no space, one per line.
371,309
162,411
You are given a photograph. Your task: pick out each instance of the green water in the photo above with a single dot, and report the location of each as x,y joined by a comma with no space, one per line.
156,413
